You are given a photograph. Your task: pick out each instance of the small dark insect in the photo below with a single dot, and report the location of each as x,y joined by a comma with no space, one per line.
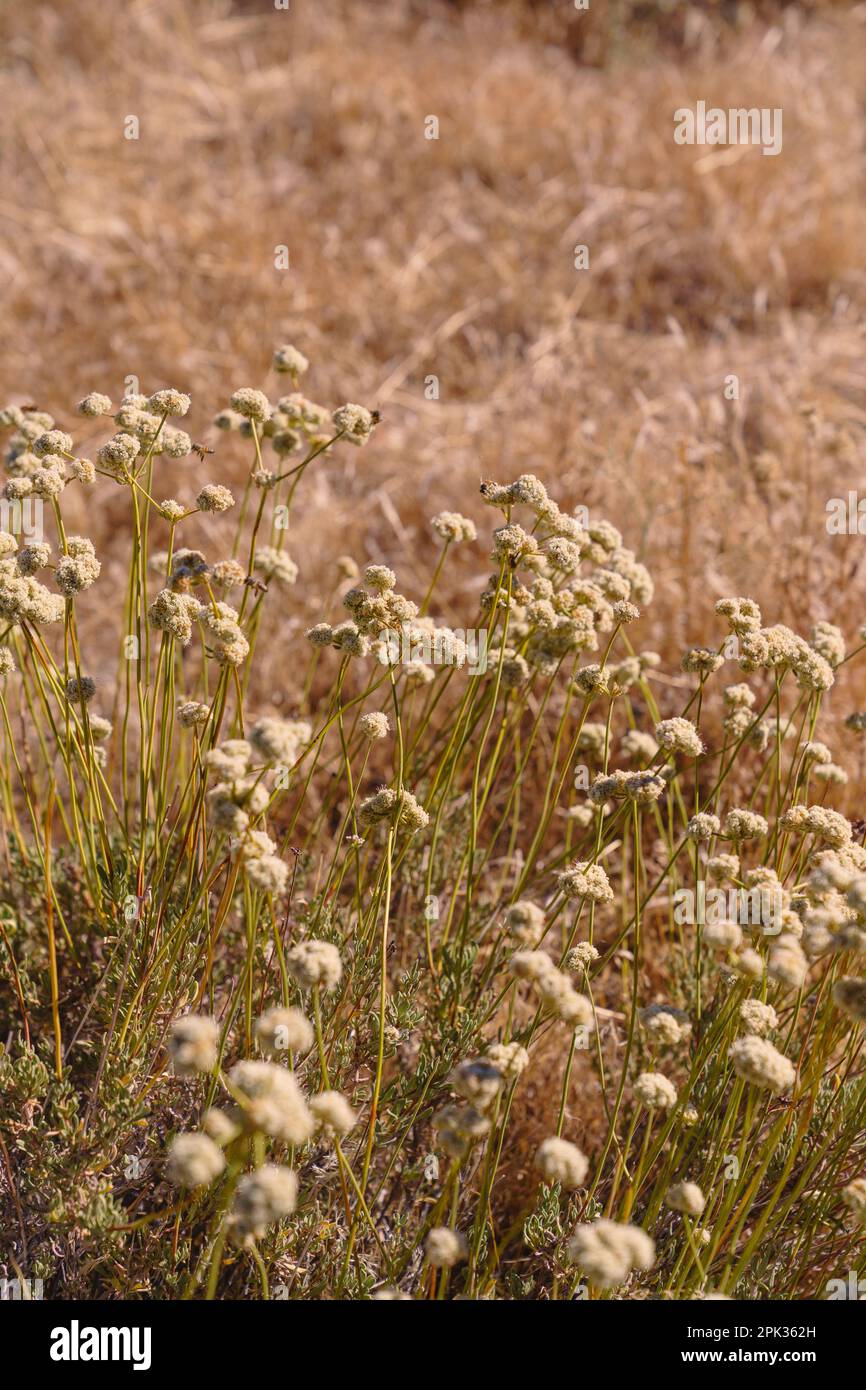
201,450
31,406
376,416
255,584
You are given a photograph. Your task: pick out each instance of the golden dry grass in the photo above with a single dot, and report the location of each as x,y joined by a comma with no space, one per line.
412,257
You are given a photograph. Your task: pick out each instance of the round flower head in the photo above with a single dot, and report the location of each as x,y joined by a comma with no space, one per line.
276,565
749,964
168,402
252,404
94,404
453,527
701,661
655,1091
679,736
7,662
758,1062
477,1080
703,826
333,1115
289,359
262,1197
524,921
581,956
193,1161
270,1101
445,1248
314,963
744,825
280,740
562,1162
354,422
608,1251
583,880
374,725
52,442
192,1044
192,713
722,936
757,1018
214,498
664,1024
849,995
509,1059
283,1030
686,1197
80,689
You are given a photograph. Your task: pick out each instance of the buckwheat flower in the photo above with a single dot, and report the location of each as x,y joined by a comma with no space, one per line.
314,963
118,454
284,1030
276,565
230,759
321,635
722,936
689,1117
192,1044
830,773
333,1115
168,402
263,1197
849,995
701,661
94,404
679,736
509,1059
758,1062
80,689
459,1126
830,826
581,957
608,1251
224,639
403,809
664,1024
559,1161
686,1197
191,713
530,965
33,557
644,787
655,1091
625,612
7,662
739,696
583,880
524,921
749,964
814,752
100,729
445,1247
52,442
374,725
16,488
269,874
47,483
829,642
453,527
271,1101
854,1197
703,826
743,614
76,571
193,1161
477,1080
280,740
563,999
757,1018
744,825
252,404
591,680
289,359
380,577
214,498
354,422
635,744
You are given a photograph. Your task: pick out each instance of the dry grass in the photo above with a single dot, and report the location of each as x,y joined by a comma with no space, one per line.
454,257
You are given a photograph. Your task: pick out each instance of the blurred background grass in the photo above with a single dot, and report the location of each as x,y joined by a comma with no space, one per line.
454,257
